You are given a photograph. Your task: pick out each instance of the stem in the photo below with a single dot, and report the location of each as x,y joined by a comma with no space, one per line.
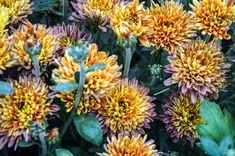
76,103
65,10
34,58
162,91
128,56
207,38
43,144
153,81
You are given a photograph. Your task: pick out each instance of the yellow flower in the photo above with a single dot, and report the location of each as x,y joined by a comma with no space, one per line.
93,11
181,117
172,28
127,109
199,69
129,146
4,16
6,57
130,19
30,101
34,34
96,82
17,9
214,16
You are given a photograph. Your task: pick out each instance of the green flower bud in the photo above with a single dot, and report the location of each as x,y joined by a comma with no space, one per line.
33,50
127,43
78,52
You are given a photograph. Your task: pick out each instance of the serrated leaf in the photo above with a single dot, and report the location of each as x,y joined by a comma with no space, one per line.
210,147
22,143
43,5
5,88
217,124
226,143
95,67
89,128
63,152
65,87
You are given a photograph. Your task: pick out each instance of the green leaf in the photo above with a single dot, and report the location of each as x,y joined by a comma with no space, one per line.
226,144
22,143
218,125
89,128
95,67
5,88
43,5
65,87
210,147
63,152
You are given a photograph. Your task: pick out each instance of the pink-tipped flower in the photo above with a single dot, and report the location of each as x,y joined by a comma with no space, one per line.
199,69
94,12
127,109
181,117
69,35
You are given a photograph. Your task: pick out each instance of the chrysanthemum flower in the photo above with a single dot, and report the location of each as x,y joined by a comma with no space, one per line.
4,16
17,9
96,82
7,59
130,19
214,16
198,70
181,117
30,102
172,28
93,11
69,34
127,109
38,34
129,146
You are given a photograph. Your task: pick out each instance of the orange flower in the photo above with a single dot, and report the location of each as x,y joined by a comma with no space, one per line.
172,27
129,146
36,34
214,16
127,109
17,9
30,102
181,117
199,69
6,57
130,19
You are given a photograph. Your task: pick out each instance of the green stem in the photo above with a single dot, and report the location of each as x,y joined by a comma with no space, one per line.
76,103
43,144
34,58
162,91
207,38
153,81
65,10
128,56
